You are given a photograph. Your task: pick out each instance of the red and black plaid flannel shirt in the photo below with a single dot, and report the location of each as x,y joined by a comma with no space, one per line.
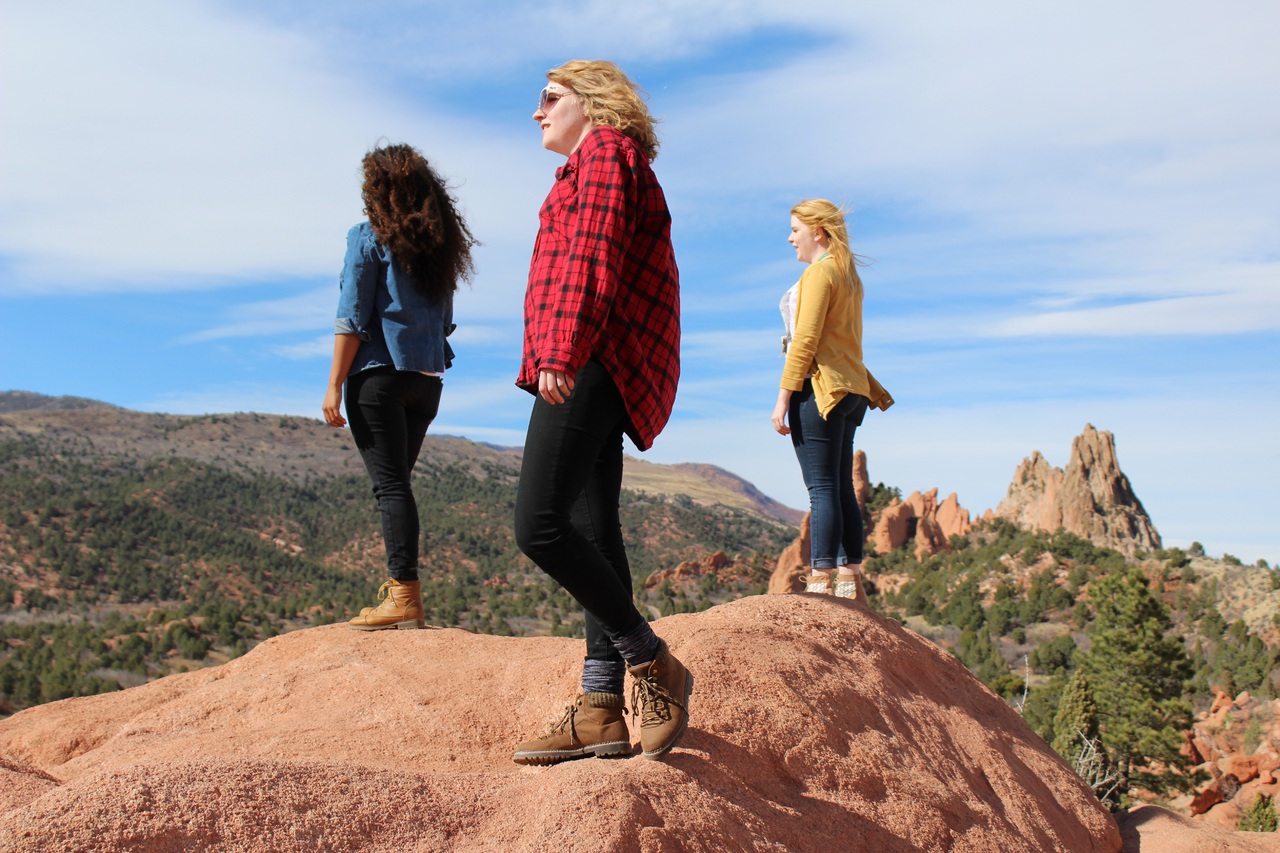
603,281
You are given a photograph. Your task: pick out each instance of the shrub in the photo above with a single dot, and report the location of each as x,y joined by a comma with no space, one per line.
1260,816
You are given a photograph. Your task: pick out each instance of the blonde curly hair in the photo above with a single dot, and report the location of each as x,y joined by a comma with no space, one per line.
610,98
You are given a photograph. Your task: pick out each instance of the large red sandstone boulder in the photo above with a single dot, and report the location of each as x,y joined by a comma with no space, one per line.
817,725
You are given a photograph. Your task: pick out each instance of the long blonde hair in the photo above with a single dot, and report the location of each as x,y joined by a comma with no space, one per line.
822,215
609,97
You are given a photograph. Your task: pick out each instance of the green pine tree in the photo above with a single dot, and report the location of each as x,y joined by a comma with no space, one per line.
1138,674
1077,717
1077,738
1260,816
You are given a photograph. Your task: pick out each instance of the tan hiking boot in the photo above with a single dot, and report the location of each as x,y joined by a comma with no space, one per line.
660,695
401,607
850,586
817,583
595,724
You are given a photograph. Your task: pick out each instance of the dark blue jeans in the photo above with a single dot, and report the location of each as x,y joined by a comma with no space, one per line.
825,451
389,411
567,504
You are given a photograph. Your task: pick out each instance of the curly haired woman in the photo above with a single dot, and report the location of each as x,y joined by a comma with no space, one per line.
395,310
602,357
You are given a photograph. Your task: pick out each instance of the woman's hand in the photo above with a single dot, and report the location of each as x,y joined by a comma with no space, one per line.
345,348
780,412
554,386
332,407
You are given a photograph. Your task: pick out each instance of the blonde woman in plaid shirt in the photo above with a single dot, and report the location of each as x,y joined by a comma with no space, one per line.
602,357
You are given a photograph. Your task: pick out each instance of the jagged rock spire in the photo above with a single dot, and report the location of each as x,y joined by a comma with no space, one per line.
1091,498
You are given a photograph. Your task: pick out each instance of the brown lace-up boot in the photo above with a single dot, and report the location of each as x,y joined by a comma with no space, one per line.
401,607
595,724
660,695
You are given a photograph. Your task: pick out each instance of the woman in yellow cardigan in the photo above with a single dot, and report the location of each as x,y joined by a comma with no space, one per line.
825,391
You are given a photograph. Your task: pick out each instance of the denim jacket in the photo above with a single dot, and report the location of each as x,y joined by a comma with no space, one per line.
397,324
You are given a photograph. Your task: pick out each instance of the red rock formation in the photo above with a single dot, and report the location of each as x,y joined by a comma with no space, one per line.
817,725
892,527
793,564
1239,772
862,488
691,571
952,518
1091,498
934,523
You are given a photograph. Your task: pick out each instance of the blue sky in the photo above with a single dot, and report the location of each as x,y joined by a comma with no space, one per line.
1071,212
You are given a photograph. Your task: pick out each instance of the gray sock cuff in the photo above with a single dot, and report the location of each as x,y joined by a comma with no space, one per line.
639,645
603,676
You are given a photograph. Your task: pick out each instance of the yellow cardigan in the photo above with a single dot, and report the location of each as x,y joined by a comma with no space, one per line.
827,340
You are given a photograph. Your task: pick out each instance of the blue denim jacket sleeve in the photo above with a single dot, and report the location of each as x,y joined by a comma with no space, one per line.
358,285
449,327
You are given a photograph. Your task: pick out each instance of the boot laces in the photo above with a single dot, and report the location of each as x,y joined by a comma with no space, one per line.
652,702
384,591
570,711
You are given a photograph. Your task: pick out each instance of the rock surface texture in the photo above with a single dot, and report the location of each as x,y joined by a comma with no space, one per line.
1091,497
817,725
1150,828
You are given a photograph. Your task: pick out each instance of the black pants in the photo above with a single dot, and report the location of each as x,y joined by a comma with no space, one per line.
567,504
389,411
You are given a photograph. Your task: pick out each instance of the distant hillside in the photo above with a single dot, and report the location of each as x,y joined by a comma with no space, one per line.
295,447
136,544
25,401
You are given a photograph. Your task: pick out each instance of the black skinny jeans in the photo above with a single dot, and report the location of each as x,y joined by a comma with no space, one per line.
389,411
567,504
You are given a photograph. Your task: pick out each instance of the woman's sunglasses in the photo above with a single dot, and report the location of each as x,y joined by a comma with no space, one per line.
549,97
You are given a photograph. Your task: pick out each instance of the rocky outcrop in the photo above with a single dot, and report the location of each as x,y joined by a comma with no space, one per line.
793,564
817,725
920,519
1236,743
690,572
1091,498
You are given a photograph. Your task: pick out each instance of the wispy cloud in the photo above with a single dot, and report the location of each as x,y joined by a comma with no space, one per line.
1243,310
316,348
303,312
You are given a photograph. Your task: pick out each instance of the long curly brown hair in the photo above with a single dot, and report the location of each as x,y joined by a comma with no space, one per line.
414,217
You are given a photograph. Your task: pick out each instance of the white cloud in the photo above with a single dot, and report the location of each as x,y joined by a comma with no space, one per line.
321,347
168,146
1017,146
303,312
1247,309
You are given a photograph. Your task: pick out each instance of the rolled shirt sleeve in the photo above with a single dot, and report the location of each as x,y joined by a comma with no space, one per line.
358,284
